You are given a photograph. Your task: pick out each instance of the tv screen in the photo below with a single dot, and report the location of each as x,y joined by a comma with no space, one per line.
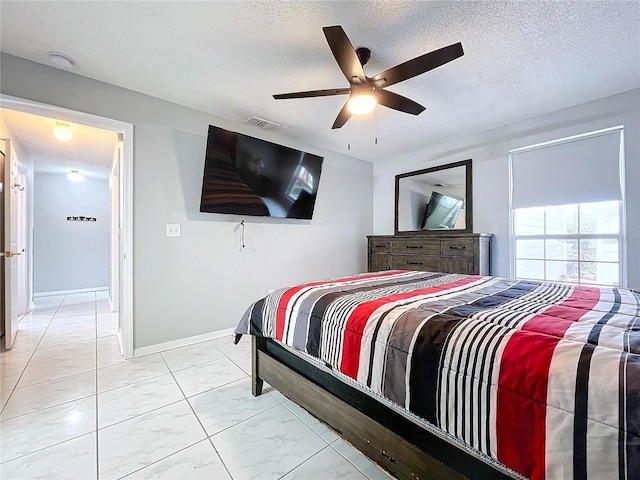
244,175
442,212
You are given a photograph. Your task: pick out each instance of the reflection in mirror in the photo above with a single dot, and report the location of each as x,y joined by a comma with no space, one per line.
434,199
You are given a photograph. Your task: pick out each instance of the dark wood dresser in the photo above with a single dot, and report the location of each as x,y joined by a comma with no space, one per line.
468,253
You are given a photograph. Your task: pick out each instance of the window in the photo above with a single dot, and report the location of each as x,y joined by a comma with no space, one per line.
577,243
567,207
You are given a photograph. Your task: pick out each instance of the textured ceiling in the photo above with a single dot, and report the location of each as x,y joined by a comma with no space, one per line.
522,59
90,151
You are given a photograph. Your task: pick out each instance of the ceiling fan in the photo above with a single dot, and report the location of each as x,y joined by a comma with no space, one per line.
365,92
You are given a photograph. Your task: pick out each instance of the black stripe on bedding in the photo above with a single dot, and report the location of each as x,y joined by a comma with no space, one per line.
425,358
594,335
255,320
314,337
394,384
581,410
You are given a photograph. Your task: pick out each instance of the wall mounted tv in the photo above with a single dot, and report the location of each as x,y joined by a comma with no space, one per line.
248,176
442,212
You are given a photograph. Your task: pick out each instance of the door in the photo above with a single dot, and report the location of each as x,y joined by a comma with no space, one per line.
114,182
10,251
23,242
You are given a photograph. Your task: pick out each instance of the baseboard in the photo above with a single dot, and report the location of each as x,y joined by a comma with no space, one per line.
183,342
69,292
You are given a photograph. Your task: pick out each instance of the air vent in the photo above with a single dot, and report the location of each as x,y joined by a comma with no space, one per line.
262,123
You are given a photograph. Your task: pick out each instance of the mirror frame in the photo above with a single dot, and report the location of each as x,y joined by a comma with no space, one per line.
468,211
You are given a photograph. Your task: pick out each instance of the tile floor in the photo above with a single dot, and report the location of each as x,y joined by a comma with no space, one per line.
73,408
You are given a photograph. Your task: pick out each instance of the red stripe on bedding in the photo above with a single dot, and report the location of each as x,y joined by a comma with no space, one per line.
352,340
281,314
524,368
556,320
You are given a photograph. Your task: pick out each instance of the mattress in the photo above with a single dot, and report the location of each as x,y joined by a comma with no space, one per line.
542,377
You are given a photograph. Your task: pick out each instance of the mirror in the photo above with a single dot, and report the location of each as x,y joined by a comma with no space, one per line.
435,200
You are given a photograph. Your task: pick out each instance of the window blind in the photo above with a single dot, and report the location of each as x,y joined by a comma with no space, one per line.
581,170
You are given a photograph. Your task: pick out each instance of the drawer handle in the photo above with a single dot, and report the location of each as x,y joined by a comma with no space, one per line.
380,246
457,247
388,457
415,263
414,246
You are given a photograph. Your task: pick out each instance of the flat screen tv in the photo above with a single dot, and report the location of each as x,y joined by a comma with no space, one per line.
244,175
442,212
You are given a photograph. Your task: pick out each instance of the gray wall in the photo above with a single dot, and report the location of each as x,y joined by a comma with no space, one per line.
70,255
202,281
490,153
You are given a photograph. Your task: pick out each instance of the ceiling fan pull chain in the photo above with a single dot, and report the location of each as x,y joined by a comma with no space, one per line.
376,115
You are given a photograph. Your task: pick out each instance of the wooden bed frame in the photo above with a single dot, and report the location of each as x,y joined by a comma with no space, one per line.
396,443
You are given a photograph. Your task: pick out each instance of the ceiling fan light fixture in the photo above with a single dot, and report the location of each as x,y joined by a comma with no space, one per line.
75,176
62,132
366,92
362,104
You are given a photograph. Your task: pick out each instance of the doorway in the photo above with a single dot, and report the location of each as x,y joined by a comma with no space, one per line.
119,177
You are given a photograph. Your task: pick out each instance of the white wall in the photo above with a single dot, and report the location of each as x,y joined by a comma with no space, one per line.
202,282
490,154
70,255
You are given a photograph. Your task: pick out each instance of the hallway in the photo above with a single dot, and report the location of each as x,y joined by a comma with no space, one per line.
59,345
73,408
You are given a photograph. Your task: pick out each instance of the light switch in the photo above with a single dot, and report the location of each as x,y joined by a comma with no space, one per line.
172,230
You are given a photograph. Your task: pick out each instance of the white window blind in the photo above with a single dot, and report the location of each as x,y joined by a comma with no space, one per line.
573,171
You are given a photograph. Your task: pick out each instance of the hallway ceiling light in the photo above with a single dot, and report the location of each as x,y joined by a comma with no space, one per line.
75,176
62,132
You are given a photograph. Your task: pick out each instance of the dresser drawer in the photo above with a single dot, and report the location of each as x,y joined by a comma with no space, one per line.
416,262
458,265
458,247
380,246
379,261
419,247
448,253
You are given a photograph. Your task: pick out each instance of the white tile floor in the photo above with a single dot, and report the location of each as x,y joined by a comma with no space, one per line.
73,408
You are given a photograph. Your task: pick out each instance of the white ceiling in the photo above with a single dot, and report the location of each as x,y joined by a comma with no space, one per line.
522,59
90,151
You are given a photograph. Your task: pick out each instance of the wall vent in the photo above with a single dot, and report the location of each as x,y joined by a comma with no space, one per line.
262,123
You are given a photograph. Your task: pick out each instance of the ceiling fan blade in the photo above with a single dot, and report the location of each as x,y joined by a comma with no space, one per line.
342,117
314,93
420,64
398,102
344,53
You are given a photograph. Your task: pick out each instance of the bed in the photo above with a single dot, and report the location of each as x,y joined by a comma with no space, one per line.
437,375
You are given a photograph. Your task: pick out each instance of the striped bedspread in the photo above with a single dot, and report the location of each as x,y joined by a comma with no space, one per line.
543,377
